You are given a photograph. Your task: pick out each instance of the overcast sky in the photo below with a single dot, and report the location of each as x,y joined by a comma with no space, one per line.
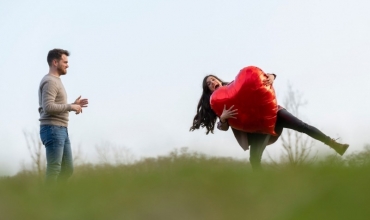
141,65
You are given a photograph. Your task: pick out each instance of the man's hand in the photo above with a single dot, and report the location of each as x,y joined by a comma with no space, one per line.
228,113
82,103
269,81
76,108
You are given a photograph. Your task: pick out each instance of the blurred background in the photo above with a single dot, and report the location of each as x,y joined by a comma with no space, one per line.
141,65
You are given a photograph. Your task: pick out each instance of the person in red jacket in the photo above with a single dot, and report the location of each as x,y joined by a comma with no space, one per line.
255,142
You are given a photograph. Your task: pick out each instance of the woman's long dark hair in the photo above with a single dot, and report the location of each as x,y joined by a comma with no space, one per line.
205,116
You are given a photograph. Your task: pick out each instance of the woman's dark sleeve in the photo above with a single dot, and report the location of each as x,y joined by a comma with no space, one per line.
223,126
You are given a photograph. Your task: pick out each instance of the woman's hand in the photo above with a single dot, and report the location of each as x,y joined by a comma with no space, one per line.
228,113
269,81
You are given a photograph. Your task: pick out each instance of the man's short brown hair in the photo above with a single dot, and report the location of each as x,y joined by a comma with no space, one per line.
56,54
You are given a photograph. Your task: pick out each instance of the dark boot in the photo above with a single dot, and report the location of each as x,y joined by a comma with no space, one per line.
338,147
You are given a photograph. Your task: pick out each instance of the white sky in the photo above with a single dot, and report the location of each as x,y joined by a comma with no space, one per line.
141,64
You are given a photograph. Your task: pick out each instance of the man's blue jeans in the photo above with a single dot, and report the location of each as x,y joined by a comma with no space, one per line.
58,153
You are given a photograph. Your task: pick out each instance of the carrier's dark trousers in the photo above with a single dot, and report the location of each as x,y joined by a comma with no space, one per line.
258,142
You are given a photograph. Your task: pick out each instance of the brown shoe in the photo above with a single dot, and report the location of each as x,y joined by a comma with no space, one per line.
338,147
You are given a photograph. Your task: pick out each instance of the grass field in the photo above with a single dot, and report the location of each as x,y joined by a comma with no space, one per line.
193,186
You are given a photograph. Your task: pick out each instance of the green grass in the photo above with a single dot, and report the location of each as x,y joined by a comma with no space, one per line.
192,186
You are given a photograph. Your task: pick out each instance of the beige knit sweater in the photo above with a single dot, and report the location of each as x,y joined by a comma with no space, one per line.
53,107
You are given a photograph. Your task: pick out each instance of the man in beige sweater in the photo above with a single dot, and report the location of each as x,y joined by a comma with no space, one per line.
54,111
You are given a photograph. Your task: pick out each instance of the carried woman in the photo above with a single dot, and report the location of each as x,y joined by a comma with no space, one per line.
248,105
